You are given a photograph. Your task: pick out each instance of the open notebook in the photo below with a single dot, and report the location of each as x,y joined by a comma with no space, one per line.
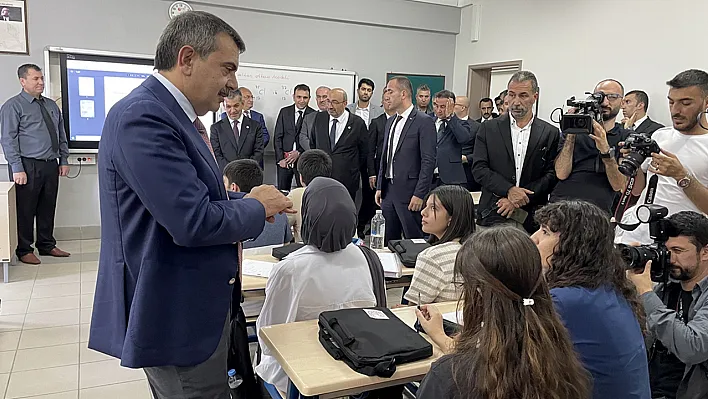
257,268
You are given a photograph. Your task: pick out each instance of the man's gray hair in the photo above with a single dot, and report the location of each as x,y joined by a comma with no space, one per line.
235,95
197,29
525,76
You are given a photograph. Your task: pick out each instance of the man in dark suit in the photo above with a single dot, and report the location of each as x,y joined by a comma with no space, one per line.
513,159
168,274
408,160
634,108
486,109
452,135
343,136
236,136
253,114
287,130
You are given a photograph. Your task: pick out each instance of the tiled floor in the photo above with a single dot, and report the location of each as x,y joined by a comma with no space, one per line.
44,319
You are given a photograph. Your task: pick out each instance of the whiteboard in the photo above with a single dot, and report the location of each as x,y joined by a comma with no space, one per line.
272,86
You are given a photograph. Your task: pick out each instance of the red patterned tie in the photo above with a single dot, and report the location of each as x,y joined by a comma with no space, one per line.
202,132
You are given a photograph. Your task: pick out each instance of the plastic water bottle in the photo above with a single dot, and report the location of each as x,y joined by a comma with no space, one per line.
235,380
378,230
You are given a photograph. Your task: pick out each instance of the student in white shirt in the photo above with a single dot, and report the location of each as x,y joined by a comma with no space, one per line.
328,273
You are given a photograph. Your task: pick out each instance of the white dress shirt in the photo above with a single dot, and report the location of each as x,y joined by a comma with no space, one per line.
465,118
396,137
341,124
181,98
305,284
363,113
296,116
520,142
639,122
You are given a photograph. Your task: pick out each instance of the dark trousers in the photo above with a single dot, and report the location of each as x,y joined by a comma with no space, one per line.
36,200
208,380
285,178
400,221
368,207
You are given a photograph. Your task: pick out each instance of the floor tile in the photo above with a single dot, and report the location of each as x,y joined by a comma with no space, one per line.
59,269
132,390
49,337
6,360
89,277
4,378
53,280
107,372
14,307
11,323
16,291
57,318
88,287
43,382
42,358
85,315
64,395
89,256
73,246
22,272
88,246
52,260
85,331
87,355
54,304
9,340
53,291
88,266
87,301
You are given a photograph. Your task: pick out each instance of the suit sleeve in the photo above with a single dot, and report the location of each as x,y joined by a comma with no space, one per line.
151,157
259,144
278,137
468,148
459,130
482,173
266,135
427,141
363,144
216,145
543,186
371,154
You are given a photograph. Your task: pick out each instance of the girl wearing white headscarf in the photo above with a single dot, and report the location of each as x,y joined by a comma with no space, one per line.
328,273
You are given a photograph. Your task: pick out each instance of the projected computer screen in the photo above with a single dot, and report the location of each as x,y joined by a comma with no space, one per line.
91,85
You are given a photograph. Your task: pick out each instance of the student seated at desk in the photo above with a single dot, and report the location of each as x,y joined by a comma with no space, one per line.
448,217
242,176
328,273
311,164
512,344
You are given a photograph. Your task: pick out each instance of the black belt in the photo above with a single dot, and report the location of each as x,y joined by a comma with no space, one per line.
40,160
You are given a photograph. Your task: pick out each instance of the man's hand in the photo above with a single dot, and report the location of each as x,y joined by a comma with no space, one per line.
519,196
377,198
667,164
283,163
641,279
372,182
64,170
292,157
599,136
506,207
450,108
273,201
629,122
416,204
20,178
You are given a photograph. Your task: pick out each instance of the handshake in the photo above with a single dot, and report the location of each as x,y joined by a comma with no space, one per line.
273,201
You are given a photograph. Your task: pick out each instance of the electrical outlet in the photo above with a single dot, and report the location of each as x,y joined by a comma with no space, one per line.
82,159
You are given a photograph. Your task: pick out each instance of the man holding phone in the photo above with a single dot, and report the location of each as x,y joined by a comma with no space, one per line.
587,164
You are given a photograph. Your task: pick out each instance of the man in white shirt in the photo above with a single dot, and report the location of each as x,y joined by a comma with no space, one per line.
634,108
236,136
308,123
363,108
253,114
681,169
286,140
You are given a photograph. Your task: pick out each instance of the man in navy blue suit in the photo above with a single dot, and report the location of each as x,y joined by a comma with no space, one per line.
452,135
407,163
168,275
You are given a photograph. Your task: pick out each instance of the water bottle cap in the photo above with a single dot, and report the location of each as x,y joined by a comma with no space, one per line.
232,373
379,211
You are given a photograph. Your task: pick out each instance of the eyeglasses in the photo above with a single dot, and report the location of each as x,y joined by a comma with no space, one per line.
335,102
611,96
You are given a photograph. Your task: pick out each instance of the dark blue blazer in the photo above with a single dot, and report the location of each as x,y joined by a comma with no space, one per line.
449,151
258,117
413,161
168,266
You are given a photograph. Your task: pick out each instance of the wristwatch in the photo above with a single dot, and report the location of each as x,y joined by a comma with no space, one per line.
606,155
684,182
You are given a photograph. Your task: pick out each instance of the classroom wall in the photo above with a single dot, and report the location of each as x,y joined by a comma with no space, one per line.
371,37
571,45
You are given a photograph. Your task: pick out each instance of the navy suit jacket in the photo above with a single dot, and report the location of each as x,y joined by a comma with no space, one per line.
227,148
413,160
449,151
168,266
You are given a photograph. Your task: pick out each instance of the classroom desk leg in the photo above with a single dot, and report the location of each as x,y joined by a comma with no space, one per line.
6,271
293,392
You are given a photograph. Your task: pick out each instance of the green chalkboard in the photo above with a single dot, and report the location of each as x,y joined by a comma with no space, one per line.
435,82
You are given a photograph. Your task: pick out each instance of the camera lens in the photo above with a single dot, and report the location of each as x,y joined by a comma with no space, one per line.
631,163
637,257
581,123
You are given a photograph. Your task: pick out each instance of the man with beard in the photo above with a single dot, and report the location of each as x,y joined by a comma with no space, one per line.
676,312
422,98
486,109
681,167
364,108
587,165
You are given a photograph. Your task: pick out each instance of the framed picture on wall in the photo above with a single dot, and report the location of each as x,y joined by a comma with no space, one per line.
13,27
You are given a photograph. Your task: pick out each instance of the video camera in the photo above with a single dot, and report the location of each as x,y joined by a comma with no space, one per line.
641,146
587,110
636,258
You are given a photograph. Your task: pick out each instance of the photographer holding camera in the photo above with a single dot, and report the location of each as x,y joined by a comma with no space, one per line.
586,165
677,311
677,168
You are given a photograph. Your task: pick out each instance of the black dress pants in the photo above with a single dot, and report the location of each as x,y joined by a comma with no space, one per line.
36,200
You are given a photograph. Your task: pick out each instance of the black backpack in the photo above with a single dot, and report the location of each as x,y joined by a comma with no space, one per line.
371,341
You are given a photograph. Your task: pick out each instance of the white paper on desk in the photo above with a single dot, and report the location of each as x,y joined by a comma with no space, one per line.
391,264
455,317
257,268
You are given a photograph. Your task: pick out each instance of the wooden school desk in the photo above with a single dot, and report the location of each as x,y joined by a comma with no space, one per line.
314,373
